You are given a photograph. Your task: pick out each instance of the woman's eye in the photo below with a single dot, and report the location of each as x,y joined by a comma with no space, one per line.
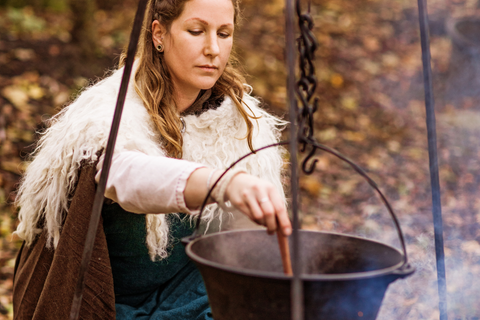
224,35
194,32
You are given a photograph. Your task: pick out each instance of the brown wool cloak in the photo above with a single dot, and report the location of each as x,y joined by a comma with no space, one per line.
45,279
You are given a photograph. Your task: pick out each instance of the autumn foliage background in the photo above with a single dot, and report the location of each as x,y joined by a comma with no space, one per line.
371,109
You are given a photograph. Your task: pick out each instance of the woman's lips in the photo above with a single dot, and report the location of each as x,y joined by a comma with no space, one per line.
208,68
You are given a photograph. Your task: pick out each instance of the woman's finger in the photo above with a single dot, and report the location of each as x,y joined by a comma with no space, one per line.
256,213
269,214
260,201
281,213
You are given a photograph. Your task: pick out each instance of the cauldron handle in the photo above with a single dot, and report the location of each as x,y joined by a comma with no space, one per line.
370,181
315,146
404,271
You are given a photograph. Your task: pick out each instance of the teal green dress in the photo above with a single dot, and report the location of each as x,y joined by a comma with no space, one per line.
170,289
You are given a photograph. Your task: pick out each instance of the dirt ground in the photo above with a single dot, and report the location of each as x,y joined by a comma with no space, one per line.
371,109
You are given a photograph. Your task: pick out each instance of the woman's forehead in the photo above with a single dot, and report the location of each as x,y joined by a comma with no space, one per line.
218,12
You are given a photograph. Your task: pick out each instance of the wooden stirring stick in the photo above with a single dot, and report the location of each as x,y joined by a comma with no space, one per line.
285,253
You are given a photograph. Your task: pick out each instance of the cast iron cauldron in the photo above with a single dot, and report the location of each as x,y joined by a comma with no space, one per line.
344,277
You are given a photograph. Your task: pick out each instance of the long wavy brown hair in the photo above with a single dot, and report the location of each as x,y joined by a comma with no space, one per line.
154,86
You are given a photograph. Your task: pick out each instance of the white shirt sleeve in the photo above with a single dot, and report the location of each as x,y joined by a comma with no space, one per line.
141,183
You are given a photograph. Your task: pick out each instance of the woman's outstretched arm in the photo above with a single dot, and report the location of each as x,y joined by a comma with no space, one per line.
148,184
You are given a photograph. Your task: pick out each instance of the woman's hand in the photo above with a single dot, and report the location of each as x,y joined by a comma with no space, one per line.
256,198
260,201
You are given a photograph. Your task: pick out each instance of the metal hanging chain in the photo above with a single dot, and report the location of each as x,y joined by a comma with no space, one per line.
433,159
99,194
307,84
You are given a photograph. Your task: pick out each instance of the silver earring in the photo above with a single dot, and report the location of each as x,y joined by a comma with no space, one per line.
159,48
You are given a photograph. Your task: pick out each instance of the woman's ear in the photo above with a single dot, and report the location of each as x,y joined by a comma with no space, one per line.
158,31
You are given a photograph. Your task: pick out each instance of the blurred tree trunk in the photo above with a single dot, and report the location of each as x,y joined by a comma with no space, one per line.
83,32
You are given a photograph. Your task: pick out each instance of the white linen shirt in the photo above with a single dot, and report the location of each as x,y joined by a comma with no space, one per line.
141,183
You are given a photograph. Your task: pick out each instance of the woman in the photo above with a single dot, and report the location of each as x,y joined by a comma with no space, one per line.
186,102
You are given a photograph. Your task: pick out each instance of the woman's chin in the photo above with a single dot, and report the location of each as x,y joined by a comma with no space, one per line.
206,86
207,82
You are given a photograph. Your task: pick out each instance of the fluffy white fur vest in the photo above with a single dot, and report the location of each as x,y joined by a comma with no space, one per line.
78,132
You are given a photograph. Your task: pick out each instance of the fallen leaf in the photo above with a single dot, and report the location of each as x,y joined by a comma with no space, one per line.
471,247
353,136
349,103
24,54
371,226
15,134
336,80
370,209
327,225
417,153
322,163
371,43
393,146
383,100
14,166
347,187
374,164
309,223
327,134
36,92
54,50
311,185
61,98
370,66
17,96
390,60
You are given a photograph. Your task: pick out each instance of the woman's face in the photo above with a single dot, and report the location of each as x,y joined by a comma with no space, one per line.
198,44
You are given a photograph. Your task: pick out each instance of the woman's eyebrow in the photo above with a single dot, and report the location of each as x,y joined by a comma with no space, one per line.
206,23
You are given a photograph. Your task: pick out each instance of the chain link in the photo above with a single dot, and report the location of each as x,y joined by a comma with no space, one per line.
307,84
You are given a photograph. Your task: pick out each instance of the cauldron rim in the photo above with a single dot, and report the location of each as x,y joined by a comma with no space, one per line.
400,269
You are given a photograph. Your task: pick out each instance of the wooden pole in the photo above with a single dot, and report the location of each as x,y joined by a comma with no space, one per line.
285,253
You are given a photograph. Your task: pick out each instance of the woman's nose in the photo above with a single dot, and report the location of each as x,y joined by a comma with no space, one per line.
212,47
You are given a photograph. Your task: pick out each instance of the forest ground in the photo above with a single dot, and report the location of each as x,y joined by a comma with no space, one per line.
371,109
